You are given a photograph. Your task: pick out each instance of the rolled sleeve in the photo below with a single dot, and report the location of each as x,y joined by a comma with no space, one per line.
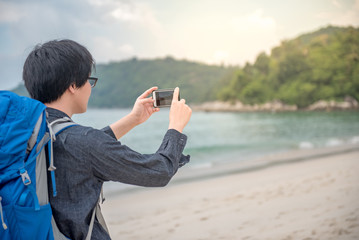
177,150
109,132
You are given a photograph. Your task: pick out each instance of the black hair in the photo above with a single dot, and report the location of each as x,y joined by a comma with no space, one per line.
51,68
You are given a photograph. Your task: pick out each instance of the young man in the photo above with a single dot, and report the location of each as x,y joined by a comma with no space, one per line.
57,73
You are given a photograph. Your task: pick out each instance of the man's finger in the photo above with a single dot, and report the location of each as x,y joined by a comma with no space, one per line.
148,92
147,100
175,94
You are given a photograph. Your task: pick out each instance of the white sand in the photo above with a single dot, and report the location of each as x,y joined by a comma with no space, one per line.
312,199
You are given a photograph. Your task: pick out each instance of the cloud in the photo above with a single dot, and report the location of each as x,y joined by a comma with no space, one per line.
124,15
225,38
109,50
336,4
118,10
253,22
9,13
220,56
111,29
112,12
341,16
256,32
126,49
244,37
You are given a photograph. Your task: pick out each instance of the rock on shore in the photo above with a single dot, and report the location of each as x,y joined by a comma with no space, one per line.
349,103
218,106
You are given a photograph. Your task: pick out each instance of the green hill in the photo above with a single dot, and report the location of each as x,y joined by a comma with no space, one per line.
322,65
120,83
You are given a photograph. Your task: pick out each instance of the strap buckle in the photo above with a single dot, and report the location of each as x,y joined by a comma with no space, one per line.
25,177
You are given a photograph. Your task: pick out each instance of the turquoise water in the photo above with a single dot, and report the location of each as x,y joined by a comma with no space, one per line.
223,137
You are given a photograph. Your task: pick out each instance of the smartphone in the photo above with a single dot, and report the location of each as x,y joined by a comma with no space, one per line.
163,97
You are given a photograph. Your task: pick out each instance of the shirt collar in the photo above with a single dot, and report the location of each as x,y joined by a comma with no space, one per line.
55,114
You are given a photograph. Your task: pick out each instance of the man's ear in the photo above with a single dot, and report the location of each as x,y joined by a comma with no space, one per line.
72,88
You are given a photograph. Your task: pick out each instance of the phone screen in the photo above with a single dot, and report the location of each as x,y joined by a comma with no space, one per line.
163,98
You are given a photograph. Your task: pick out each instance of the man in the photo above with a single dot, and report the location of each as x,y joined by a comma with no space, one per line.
57,73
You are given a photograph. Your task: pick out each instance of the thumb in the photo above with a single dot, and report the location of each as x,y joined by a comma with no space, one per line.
175,94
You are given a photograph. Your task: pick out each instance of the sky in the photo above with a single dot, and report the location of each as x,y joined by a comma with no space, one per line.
229,32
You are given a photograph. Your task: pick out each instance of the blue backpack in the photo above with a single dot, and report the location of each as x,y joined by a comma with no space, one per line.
26,139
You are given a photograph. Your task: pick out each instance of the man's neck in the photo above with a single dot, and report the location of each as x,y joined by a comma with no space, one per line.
60,107
63,104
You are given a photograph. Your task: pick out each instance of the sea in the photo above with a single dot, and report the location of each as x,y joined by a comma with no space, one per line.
221,137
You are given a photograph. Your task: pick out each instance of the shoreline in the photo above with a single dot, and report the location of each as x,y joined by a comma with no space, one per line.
312,196
187,174
263,162
349,104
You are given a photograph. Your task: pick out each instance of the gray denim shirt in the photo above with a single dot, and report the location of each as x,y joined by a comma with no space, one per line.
86,157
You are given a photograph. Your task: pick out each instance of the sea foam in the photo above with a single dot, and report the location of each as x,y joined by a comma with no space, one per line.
334,142
354,140
306,145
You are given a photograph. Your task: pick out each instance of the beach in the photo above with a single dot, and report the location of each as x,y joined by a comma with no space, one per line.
304,194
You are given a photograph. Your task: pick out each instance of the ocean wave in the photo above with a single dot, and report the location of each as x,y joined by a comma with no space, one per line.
202,165
334,142
306,145
354,140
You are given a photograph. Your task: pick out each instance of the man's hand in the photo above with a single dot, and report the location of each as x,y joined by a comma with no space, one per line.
141,111
143,107
180,112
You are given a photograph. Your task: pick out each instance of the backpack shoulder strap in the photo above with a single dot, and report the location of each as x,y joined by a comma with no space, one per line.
60,124
97,212
89,233
55,128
